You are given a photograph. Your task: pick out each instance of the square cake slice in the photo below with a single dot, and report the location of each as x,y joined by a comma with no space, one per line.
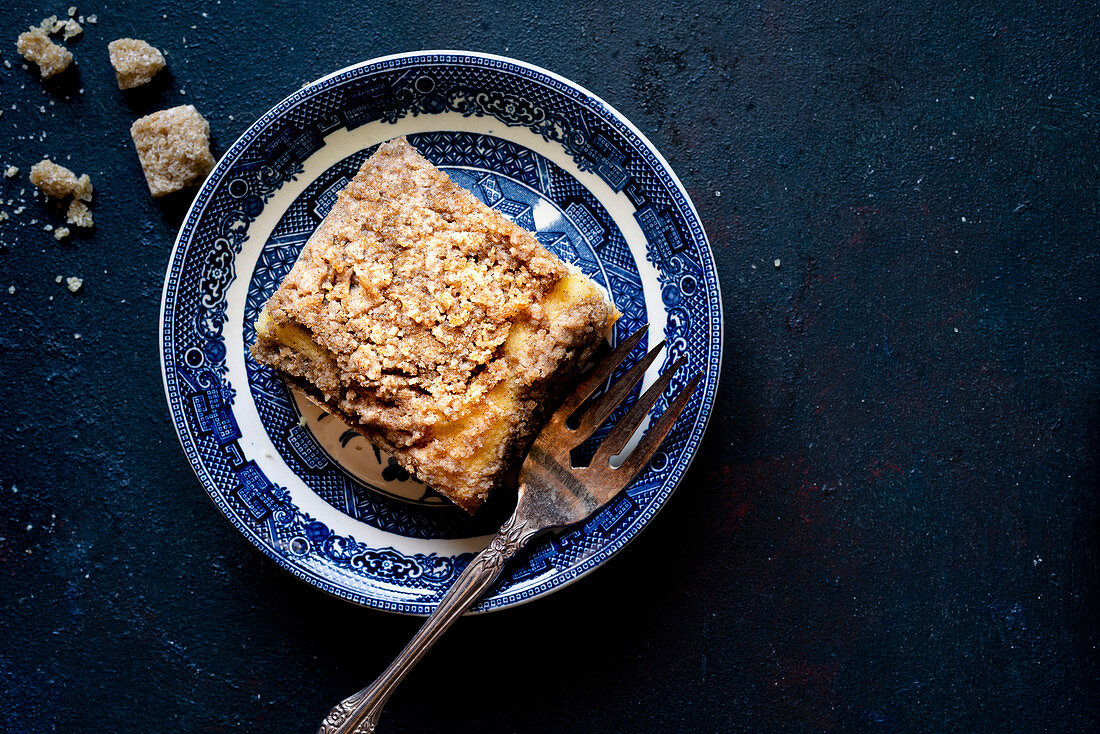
431,324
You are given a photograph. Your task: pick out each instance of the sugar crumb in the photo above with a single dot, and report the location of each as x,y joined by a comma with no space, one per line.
50,25
135,61
11,289
61,233
56,181
777,263
72,29
50,57
11,172
74,284
79,214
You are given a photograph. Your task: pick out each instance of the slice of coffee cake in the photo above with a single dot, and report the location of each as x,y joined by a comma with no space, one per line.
431,324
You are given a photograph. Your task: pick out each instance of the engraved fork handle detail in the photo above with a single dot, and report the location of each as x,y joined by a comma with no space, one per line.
358,713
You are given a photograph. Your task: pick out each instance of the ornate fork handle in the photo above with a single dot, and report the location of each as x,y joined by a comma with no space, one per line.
358,713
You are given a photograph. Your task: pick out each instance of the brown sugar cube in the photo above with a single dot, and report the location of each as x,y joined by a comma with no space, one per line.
50,57
174,148
58,182
135,61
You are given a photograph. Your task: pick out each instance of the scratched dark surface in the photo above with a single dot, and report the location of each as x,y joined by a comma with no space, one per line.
892,525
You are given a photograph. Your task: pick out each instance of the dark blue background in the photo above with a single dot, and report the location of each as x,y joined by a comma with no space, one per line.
892,525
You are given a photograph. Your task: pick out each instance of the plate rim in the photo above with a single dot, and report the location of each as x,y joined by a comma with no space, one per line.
332,589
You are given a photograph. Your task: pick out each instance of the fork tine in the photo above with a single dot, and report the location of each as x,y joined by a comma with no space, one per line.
626,426
656,434
592,418
600,373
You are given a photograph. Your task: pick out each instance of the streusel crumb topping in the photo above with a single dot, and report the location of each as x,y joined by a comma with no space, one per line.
416,286
433,323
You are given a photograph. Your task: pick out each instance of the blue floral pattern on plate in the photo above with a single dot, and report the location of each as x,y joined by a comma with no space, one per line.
544,152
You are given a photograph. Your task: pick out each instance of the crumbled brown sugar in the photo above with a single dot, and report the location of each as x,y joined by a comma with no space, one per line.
51,58
79,214
83,190
72,29
51,25
431,323
53,180
135,61
174,148
58,182
61,233
74,284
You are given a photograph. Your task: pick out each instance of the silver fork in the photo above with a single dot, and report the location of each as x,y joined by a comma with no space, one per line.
552,493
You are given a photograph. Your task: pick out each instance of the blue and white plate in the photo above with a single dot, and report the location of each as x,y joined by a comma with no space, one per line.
315,496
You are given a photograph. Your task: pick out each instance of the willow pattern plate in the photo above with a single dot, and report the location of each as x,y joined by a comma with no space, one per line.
316,497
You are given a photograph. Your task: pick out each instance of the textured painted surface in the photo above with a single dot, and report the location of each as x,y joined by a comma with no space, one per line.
892,526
